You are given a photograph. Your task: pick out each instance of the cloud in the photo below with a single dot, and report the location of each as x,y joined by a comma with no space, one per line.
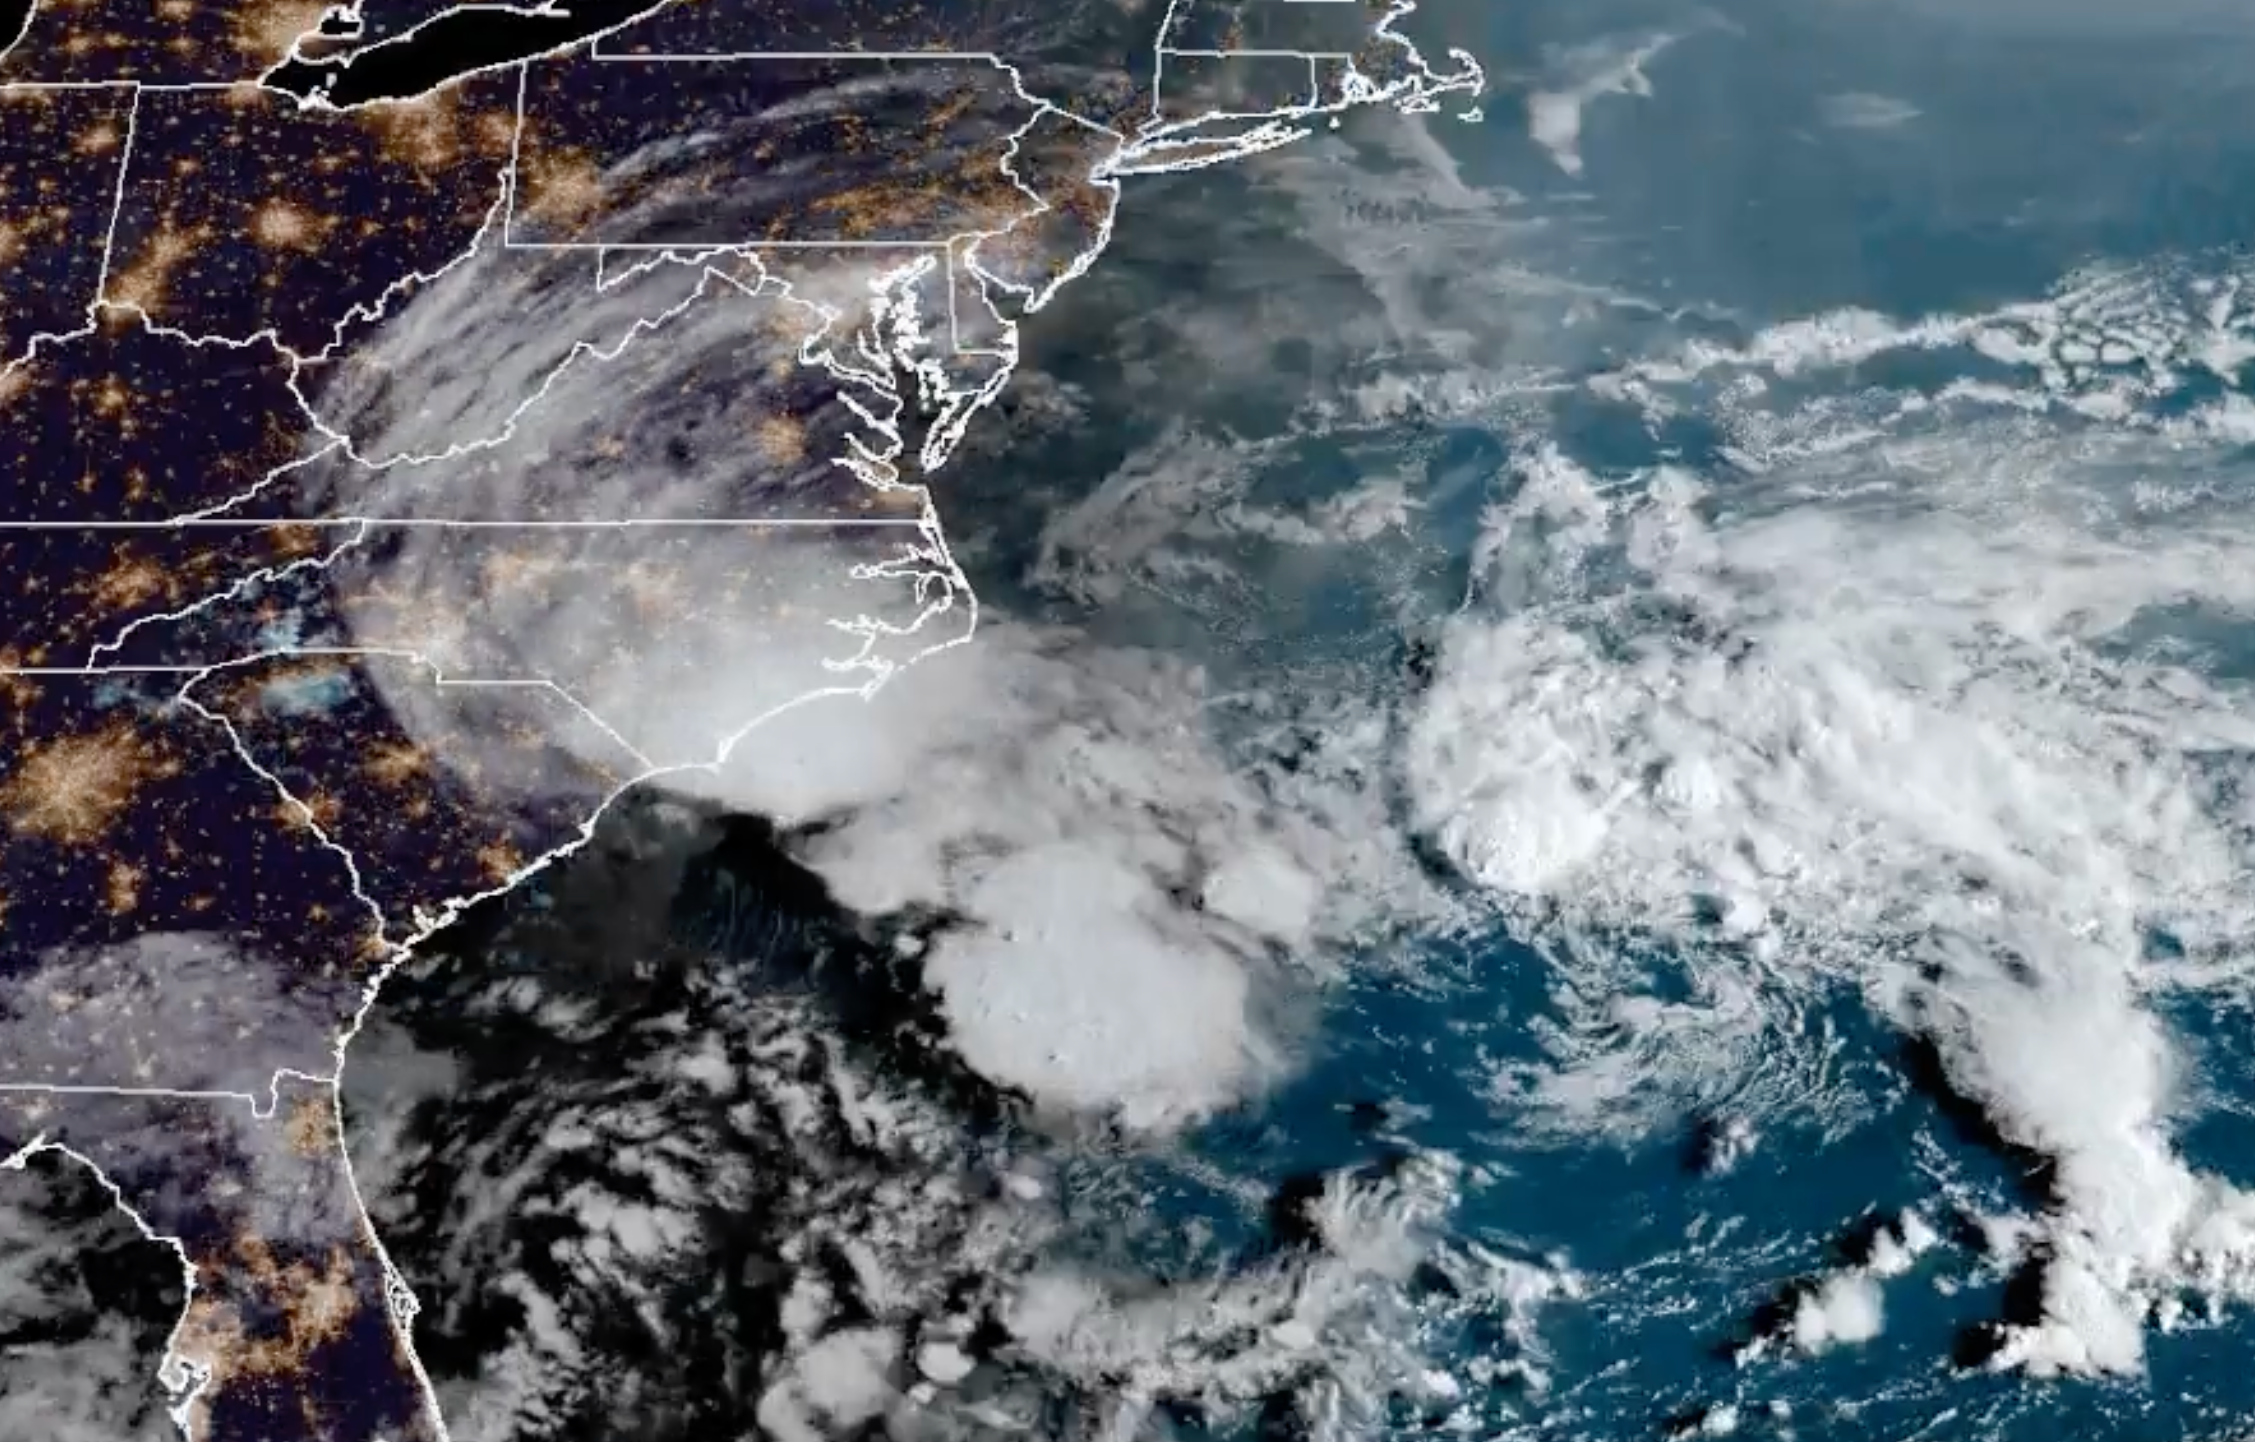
1128,907
1901,739
1860,110
1846,1307
980,787
75,1365
186,1010
1581,75
1845,1310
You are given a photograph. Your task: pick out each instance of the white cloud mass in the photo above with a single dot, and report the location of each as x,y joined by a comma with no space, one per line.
1128,913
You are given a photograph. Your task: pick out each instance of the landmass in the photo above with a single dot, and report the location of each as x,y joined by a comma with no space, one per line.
269,719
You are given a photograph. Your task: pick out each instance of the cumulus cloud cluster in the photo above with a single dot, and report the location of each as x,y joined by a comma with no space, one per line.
1915,738
1847,1306
1131,913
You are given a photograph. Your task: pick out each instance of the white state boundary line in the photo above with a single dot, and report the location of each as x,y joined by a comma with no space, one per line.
283,523
117,206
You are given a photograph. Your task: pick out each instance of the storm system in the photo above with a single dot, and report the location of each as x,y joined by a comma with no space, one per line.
808,1092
